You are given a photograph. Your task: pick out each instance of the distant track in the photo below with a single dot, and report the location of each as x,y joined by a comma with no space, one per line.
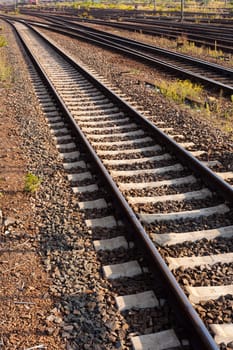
184,66
213,36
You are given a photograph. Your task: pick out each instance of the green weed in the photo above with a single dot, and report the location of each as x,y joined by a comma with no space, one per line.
3,41
180,90
5,71
228,128
134,71
32,183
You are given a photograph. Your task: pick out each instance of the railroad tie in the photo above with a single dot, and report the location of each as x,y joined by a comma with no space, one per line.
190,214
163,340
223,333
176,238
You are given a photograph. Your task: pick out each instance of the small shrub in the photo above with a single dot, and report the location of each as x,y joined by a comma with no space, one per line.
135,71
207,108
5,71
32,183
180,90
226,115
229,129
3,41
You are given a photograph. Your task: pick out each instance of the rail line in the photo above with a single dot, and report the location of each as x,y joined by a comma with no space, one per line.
225,18
212,36
184,66
176,198
200,36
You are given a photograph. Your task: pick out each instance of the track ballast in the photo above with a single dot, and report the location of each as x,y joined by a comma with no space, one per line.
147,173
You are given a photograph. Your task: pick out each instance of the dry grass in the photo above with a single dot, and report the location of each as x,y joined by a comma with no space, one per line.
3,41
5,69
190,48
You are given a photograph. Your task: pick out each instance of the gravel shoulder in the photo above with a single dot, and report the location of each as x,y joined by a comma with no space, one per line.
25,298
54,295
43,236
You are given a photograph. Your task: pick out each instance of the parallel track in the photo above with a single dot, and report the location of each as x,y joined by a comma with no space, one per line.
225,15
184,66
202,35
151,169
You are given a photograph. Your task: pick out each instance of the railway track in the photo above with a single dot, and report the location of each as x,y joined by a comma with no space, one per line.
202,35
184,66
182,207
150,14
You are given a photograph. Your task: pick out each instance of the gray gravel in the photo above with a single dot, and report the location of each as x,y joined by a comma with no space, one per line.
215,275
83,305
84,313
84,308
216,311
199,248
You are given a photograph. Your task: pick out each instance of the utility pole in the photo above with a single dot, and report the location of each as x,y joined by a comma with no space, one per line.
182,10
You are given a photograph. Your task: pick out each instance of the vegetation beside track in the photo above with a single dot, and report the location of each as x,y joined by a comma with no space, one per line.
5,69
216,109
205,6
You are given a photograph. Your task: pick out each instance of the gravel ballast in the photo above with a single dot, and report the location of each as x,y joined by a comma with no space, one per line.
68,309
82,306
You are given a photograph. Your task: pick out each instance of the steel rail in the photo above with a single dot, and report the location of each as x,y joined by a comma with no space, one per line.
132,42
200,337
122,48
146,30
154,28
155,49
209,28
222,33
151,14
108,44
200,40
188,16
208,176
225,31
